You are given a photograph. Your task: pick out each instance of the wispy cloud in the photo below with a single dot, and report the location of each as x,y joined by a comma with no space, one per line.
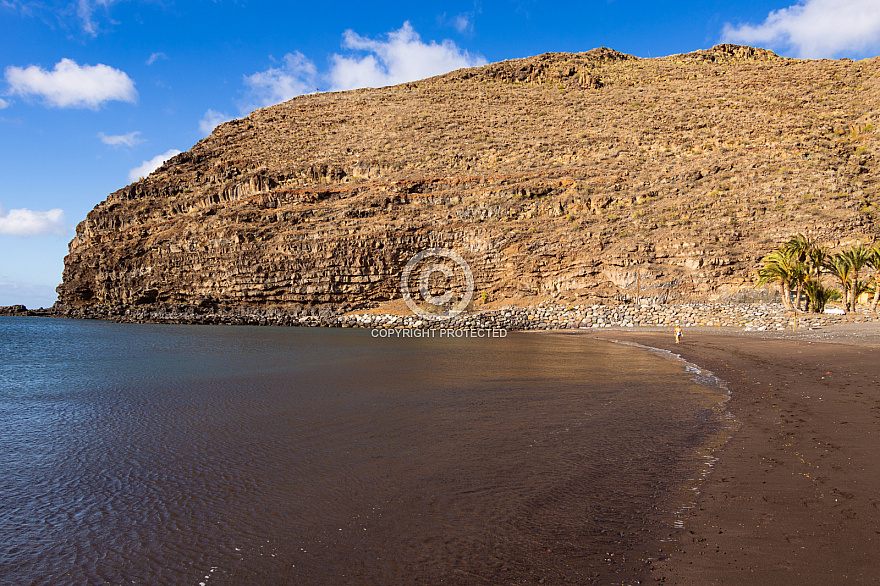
85,10
25,222
131,139
815,28
84,14
155,57
26,9
148,167
3,104
70,85
401,56
211,120
31,295
464,22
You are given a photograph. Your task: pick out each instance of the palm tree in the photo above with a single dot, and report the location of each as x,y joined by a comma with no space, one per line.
874,261
857,257
799,248
838,266
817,294
860,287
778,269
799,276
817,256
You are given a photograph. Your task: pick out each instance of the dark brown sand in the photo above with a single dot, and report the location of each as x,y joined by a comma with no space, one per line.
795,495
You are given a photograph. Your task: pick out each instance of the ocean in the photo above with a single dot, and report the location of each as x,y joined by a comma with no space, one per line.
206,455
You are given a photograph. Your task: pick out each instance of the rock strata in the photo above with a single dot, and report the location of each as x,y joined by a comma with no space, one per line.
591,178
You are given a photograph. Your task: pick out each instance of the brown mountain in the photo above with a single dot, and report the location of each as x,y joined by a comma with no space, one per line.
556,176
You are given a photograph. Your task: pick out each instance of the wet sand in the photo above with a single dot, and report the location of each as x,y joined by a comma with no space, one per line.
795,495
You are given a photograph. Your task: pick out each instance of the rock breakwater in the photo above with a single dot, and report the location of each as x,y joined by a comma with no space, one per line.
749,317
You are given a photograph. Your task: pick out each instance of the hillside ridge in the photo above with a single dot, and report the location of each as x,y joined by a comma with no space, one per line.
560,176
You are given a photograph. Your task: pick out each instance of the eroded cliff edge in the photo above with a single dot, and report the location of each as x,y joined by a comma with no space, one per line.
556,176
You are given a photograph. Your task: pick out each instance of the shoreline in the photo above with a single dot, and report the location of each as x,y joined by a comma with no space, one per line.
792,497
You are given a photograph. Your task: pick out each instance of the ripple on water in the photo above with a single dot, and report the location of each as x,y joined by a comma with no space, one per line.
161,454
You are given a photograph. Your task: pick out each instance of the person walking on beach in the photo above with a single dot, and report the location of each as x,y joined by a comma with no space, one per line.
677,333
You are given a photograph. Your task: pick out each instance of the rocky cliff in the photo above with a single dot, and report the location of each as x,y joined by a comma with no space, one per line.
567,176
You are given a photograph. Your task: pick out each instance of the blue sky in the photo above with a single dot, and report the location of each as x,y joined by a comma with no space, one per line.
95,93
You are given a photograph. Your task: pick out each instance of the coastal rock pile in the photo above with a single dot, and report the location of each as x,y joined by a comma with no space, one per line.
572,178
750,317
17,310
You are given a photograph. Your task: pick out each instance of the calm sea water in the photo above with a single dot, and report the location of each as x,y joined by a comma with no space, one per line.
140,454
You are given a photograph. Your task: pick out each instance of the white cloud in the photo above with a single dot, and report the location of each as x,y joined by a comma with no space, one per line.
211,120
131,139
3,104
148,167
402,57
24,222
72,86
155,57
815,28
294,77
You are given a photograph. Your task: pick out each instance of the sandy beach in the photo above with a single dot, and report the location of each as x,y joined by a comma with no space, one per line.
793,498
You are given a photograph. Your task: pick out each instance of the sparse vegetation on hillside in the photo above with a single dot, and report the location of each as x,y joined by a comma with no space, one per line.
688,168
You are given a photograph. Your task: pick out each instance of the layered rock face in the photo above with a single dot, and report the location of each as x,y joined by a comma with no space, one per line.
583,177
